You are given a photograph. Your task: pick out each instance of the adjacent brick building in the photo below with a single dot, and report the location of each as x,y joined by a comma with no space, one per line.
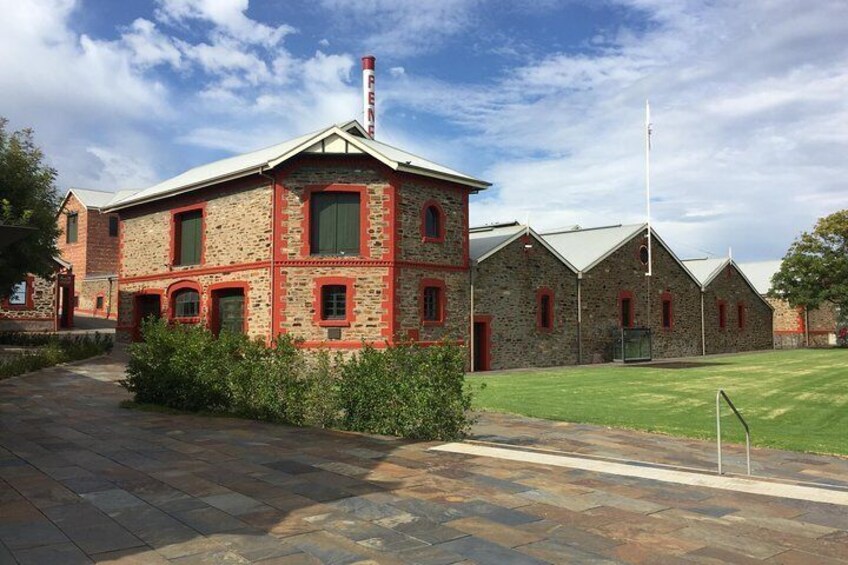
331,237
793,327
525,300
736,316
89,242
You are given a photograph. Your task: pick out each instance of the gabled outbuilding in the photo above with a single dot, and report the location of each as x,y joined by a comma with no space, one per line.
523,300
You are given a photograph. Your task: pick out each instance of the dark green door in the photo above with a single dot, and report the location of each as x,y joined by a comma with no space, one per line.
231,312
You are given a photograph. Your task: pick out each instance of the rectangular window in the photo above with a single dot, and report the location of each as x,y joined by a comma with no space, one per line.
76,301
432,309
113,226
626,320
740,316
334,302
186,304
722,316
19,294
71,228
666,314
189,237
98,303
545,321
334,223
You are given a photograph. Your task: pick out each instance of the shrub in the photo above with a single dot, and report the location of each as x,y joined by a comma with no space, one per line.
52,350
408,391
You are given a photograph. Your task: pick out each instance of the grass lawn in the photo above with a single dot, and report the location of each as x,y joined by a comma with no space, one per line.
794,400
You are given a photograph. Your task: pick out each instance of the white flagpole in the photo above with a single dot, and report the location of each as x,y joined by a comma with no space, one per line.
648,181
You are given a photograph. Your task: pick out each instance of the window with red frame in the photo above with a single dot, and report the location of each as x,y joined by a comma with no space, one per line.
546,311
189,237
666,313
740,316
626,306
18,296
432,222
334,302
186,303
722,315
432,304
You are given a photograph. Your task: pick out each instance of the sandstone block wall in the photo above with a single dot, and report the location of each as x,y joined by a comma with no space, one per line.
453,203
730,287
42,315
505,288
623,271
87,291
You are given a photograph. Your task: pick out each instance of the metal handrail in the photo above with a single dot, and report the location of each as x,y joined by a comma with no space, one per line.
719,396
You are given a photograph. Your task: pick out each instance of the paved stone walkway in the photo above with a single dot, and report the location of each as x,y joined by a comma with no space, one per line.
83,480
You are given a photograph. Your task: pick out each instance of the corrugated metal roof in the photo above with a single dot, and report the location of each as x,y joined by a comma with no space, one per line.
706,268
97,199
584,248
760,273
249,163
484,239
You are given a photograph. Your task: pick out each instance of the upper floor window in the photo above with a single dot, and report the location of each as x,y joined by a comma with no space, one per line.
334,223
722,315
188,228
18,297
113,226
433,222
71,228
186,303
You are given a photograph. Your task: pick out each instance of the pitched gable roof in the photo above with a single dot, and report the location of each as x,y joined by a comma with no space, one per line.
347,138
707,268
96,199
485,241
585,248
760,273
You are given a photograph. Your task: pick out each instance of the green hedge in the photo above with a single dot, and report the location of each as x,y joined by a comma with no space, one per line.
51,350
408,391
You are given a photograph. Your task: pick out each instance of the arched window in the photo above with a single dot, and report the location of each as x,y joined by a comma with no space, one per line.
186,303
433,222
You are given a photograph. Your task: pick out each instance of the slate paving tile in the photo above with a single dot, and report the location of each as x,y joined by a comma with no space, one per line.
572,536
420,528
91,530
113,500
20,535
64,553
717,555
730,539
576,503
211,558
499,514
153,526
294,559
209,520
136,556
493,531
483,551
431,555
5,555
320,493
330,549
365,509
81,485
291,467
430,510
554,552
234,503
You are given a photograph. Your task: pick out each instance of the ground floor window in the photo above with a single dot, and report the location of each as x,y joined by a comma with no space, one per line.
740,315
722,315
667,312
228,310
544,309
433,301
625,302
98,303
334,302
186,303
18,297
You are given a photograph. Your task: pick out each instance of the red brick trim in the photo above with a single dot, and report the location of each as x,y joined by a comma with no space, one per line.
377,344
185,285
544,291
443,301
667,297
218,270
721,312
741,315
440,237
486,355
626,294
29,303
364,208
46,317
212,314
350,301
174,238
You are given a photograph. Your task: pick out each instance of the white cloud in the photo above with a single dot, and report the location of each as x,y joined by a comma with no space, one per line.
228,16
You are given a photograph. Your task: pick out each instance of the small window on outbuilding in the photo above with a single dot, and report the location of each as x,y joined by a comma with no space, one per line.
334,302
740,315
113,226
545,310
98,303
186,303
18,297
72,228
625,302
667,313
722,315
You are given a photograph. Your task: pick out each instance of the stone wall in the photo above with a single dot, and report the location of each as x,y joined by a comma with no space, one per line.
623,271
731,288
87,291
506,287
40,317
790,325
408,305
414,195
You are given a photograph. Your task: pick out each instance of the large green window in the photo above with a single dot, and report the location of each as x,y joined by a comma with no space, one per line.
189,227
71,228
334,223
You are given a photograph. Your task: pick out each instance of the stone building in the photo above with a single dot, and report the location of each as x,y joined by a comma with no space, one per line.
524,304
793,327
735,316
332,237
39,304
88,240
614,291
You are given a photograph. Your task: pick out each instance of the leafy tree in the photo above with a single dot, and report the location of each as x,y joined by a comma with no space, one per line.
28,197
815,269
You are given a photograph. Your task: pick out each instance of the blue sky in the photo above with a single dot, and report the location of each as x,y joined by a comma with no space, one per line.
543,98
